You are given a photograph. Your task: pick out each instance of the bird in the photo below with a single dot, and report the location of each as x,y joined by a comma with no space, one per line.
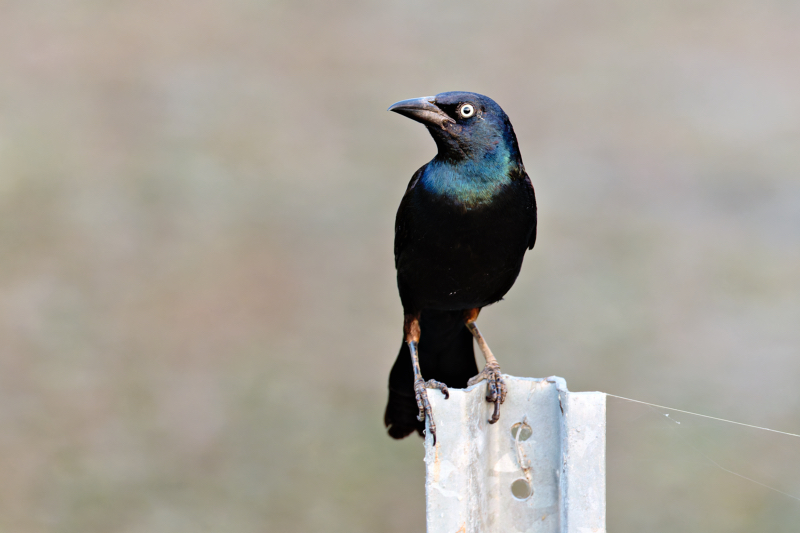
463,226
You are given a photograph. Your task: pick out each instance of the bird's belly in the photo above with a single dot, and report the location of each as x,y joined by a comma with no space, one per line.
460,272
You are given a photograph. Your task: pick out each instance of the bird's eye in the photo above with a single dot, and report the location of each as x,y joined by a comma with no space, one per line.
466,110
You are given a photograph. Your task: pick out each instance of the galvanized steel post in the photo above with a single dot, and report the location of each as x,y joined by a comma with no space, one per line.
540,468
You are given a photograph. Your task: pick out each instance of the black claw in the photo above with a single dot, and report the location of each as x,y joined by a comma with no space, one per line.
438,385
432,427
496,390
496,414
425,410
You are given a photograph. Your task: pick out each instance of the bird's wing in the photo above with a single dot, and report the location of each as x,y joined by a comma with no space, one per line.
401,220
532,196
520,173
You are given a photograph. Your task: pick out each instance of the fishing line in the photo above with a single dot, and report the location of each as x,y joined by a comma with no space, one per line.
704,416
698,450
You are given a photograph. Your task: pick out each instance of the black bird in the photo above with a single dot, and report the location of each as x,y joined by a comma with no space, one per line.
464,224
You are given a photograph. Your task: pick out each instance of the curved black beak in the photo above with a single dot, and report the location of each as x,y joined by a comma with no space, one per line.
422,110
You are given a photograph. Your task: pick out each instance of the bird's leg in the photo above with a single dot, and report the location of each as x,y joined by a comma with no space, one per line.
412,333
491,372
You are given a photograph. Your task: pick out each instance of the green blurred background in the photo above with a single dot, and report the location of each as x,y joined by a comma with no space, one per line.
198,309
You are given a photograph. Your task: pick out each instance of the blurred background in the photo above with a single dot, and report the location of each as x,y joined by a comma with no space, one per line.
198,310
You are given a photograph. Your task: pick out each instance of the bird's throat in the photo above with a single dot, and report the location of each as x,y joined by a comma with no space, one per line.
468,183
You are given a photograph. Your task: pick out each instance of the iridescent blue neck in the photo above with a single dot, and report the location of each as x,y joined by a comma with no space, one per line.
469,182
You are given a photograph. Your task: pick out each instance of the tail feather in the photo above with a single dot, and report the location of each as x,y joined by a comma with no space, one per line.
446,354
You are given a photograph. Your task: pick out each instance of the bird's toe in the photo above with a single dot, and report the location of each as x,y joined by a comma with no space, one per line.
424,404
496,388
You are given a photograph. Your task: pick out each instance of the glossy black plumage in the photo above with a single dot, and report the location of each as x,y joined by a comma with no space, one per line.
461,232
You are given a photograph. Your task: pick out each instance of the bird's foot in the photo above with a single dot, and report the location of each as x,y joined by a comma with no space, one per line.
423,403
497,387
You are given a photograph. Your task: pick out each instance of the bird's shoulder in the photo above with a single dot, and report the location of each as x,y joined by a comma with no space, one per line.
401,219
524,185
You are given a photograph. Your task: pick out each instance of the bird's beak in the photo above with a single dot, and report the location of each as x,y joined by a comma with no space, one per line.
422,110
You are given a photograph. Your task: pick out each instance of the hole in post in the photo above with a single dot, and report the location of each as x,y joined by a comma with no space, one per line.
521,489
523,429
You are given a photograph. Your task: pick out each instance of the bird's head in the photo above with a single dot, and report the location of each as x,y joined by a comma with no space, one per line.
464,125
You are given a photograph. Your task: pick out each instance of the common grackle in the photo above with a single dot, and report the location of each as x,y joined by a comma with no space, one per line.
464,224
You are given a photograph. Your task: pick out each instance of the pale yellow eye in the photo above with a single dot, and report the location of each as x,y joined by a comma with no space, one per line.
466,110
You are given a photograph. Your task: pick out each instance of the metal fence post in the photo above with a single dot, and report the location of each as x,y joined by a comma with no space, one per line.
540,468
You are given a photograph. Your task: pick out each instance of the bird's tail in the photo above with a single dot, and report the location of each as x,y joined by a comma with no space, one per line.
445,354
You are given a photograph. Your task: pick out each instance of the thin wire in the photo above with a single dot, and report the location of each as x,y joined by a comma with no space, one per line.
704,416
747,478
709,459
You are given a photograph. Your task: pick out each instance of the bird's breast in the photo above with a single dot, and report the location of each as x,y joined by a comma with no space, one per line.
460,255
